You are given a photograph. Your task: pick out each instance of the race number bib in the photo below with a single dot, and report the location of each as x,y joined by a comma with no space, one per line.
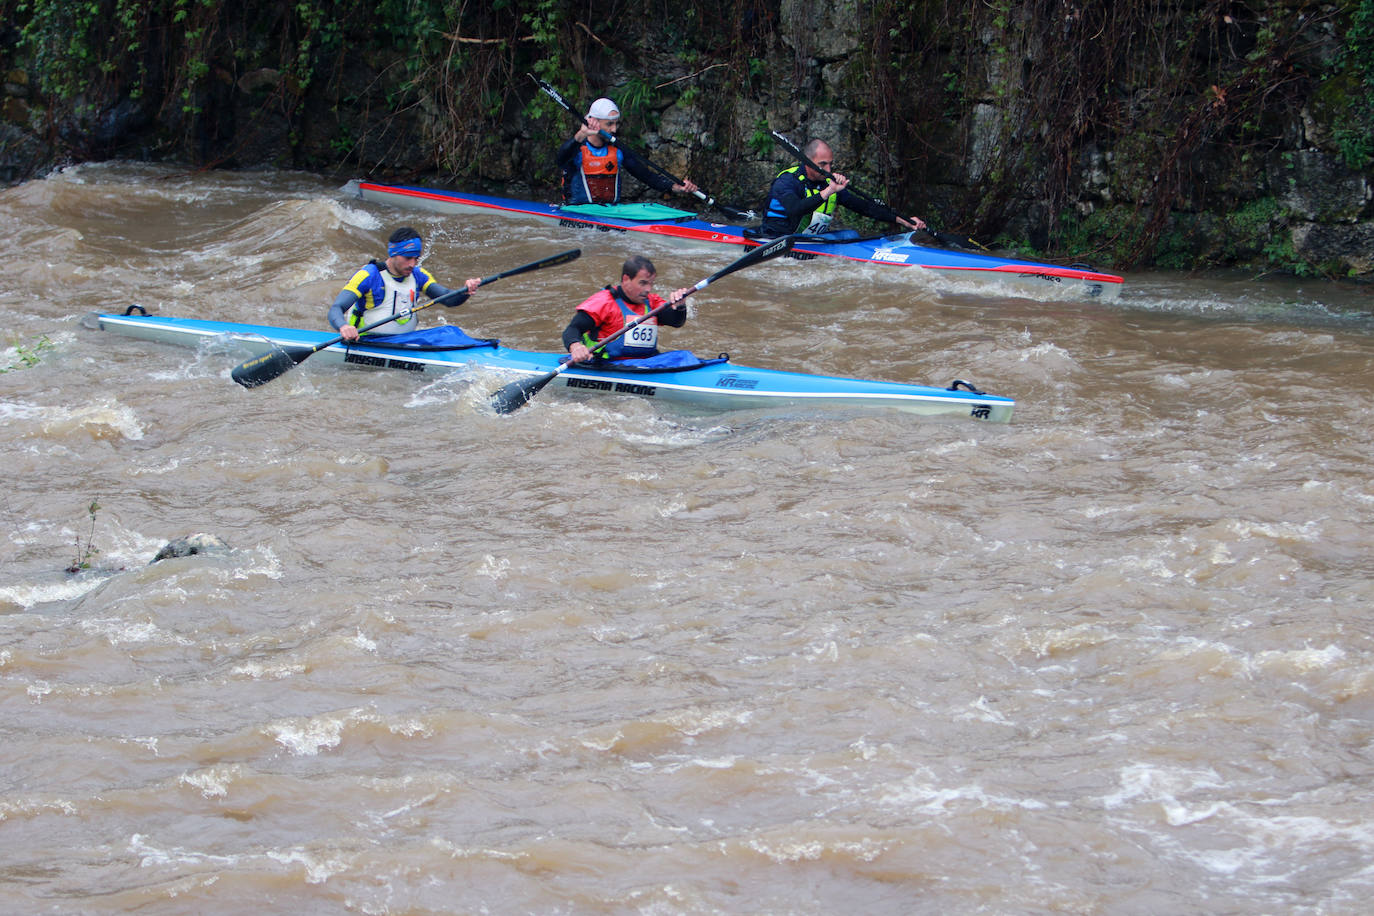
820,222
643,335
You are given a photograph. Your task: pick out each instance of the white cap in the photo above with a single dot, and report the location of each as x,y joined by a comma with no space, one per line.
604,109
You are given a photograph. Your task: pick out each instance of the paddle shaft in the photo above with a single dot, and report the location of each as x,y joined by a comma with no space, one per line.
515,395
900,220
570,255
615,141
264,368
806,161
439,300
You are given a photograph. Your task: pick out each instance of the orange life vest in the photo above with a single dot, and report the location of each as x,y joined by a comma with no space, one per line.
600,173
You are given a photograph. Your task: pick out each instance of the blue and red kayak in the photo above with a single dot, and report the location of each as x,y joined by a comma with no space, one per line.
712,384
944,267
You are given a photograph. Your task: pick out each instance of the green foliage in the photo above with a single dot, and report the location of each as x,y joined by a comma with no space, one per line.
29,356
61,37
636,97
1112,232
545,21
761,141
85,547
1353,85
343,142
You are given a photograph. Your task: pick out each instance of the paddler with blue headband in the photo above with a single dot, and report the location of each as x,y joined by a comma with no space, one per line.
379,290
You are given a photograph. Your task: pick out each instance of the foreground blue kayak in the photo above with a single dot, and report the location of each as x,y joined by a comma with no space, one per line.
716,384
941,266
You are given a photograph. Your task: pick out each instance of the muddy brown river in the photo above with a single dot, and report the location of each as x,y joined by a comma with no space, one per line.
606,656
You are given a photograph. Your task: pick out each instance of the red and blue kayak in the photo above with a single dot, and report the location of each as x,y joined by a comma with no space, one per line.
957,270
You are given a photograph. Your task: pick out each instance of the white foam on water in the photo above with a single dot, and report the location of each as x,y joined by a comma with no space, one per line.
260,561
783,850
95,418
121,632
17,410
318,869
448,388
1299,662
1046,351
646,427
1147,783
307,737
212,782
1236,843
920,792
351,216
1276,531
150,856
13,807
99,418
275,672
31,595
493,568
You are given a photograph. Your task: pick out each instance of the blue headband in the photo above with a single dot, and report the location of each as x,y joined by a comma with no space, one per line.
410,248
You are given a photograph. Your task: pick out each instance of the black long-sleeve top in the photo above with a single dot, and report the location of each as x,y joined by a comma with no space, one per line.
790,205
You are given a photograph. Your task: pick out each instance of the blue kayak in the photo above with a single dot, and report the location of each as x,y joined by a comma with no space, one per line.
942,266
713,384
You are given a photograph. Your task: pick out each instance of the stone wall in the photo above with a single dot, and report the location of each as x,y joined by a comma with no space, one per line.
1295,205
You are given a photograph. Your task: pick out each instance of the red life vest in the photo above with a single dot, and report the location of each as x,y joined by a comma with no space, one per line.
641,342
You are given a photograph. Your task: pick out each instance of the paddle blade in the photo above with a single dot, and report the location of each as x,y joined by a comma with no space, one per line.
510,398
262,369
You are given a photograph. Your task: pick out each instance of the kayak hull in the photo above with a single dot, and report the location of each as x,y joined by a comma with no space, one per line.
722,386
940,266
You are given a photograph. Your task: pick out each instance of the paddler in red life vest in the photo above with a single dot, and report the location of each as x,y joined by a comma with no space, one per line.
379,290
606,312
591,166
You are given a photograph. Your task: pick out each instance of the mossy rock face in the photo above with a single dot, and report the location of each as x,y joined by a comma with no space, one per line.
190,546
1337,250
1320,187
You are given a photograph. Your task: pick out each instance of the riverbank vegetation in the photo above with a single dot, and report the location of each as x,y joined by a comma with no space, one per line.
1140,132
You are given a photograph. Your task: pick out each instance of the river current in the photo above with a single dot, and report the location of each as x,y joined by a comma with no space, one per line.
608,656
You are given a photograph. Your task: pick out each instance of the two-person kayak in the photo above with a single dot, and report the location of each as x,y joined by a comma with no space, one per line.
957,270
712,384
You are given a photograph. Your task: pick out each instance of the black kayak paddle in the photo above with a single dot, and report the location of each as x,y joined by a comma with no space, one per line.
281,359
511,397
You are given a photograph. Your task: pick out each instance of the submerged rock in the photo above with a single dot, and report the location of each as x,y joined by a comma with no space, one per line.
190,546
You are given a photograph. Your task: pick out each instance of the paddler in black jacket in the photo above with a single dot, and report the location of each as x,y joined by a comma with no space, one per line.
803,200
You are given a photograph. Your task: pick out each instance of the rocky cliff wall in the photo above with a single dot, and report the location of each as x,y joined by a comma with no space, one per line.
1219,135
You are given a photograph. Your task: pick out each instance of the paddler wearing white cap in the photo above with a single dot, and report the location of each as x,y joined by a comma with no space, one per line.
592,165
